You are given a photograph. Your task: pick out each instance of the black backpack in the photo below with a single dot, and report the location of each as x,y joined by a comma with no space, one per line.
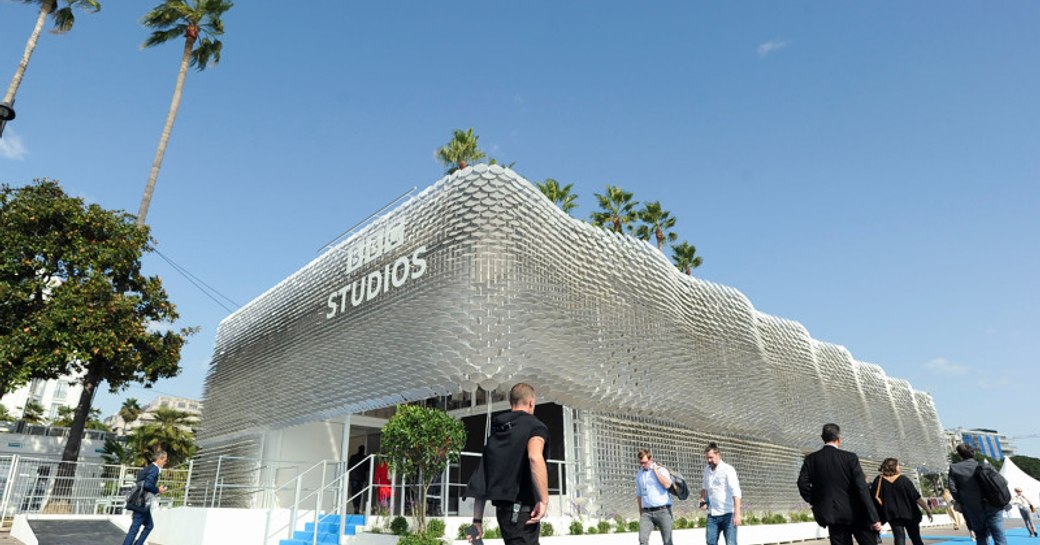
993,486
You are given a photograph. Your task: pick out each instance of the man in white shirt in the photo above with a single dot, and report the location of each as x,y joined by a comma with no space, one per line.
720,497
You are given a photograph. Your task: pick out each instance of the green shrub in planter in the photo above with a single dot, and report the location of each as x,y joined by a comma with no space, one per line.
493,533
546,530
603,527
591,530
750,519
576,528
462,530
399,526
633,526
418,539
435,527
619,524
681,523
702,522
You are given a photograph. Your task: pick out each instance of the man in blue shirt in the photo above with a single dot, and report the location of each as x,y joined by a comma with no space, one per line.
655,505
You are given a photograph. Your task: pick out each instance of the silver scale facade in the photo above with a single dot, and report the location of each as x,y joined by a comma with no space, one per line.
516,290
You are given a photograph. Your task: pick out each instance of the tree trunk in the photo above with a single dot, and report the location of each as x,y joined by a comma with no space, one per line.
171,116
60,501
46,7
660,238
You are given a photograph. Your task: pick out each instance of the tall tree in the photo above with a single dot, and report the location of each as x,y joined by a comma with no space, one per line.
685,257
169,430
617,210
64,18
200,23
560,195
461,151
129,412
73,300
657,223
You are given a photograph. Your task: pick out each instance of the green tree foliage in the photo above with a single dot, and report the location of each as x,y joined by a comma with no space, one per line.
169,430
73,301
461,151
560,195
617,210
5,415
122,453
685,257
32,413
657,223
66,415
979,457
1028,464
419,442
64,17
199,23
129,411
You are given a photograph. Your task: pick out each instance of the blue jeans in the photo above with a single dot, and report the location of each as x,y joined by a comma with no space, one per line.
141,518
986,524
723,523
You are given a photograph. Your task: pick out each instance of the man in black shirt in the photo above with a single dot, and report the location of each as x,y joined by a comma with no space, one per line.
512,472
358,476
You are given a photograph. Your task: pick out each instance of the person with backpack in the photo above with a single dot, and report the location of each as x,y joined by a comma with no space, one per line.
720,497
982,495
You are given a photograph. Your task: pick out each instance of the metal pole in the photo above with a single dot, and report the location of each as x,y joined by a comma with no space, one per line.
371,475
187,482
295,506
216,480
8,487
344,463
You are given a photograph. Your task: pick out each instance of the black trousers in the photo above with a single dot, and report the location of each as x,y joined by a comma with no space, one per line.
912,528
519,532
842,534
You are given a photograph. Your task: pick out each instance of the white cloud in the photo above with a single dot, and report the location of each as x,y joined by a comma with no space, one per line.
946,367
12,147
772,46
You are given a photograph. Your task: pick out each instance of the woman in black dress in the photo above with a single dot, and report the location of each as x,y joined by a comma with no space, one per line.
897,501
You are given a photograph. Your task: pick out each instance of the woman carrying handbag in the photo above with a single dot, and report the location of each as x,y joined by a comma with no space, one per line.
897,501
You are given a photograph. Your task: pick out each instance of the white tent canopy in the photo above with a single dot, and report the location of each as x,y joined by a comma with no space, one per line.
1017,478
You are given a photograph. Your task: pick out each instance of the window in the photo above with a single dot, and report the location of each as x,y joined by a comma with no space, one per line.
61,391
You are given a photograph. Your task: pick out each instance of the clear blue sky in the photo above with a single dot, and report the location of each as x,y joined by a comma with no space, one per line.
870,170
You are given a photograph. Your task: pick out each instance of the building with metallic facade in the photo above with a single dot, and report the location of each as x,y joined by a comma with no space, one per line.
479,281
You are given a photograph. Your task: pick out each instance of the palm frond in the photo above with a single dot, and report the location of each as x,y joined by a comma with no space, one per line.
63,20
205,52
162,36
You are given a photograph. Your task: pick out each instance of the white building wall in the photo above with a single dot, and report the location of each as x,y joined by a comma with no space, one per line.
51,394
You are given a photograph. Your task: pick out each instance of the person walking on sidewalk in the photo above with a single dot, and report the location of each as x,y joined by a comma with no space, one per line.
142,520
720,497
1025,509
895,497
655,505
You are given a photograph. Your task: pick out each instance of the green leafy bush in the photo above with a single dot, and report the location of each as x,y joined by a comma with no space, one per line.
493,533
620,525
633,526
750,519
802,516
576,528
462,531
774,518
435,528
702,522
680,523
419,539
399,526
591,530
603,527
546,530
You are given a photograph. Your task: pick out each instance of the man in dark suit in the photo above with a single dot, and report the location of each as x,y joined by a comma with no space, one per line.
832,482
986,520
149,477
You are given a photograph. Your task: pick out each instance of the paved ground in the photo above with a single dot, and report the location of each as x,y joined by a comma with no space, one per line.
6,539
1016,533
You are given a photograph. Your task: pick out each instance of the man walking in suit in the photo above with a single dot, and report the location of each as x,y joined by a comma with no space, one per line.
832,482
149,477
984,519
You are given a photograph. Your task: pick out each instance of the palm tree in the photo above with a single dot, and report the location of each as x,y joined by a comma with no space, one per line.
460,151
618,210
170,430
656,222
685,257
5,415
129,412
64,18
561,196
32,412
172,19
